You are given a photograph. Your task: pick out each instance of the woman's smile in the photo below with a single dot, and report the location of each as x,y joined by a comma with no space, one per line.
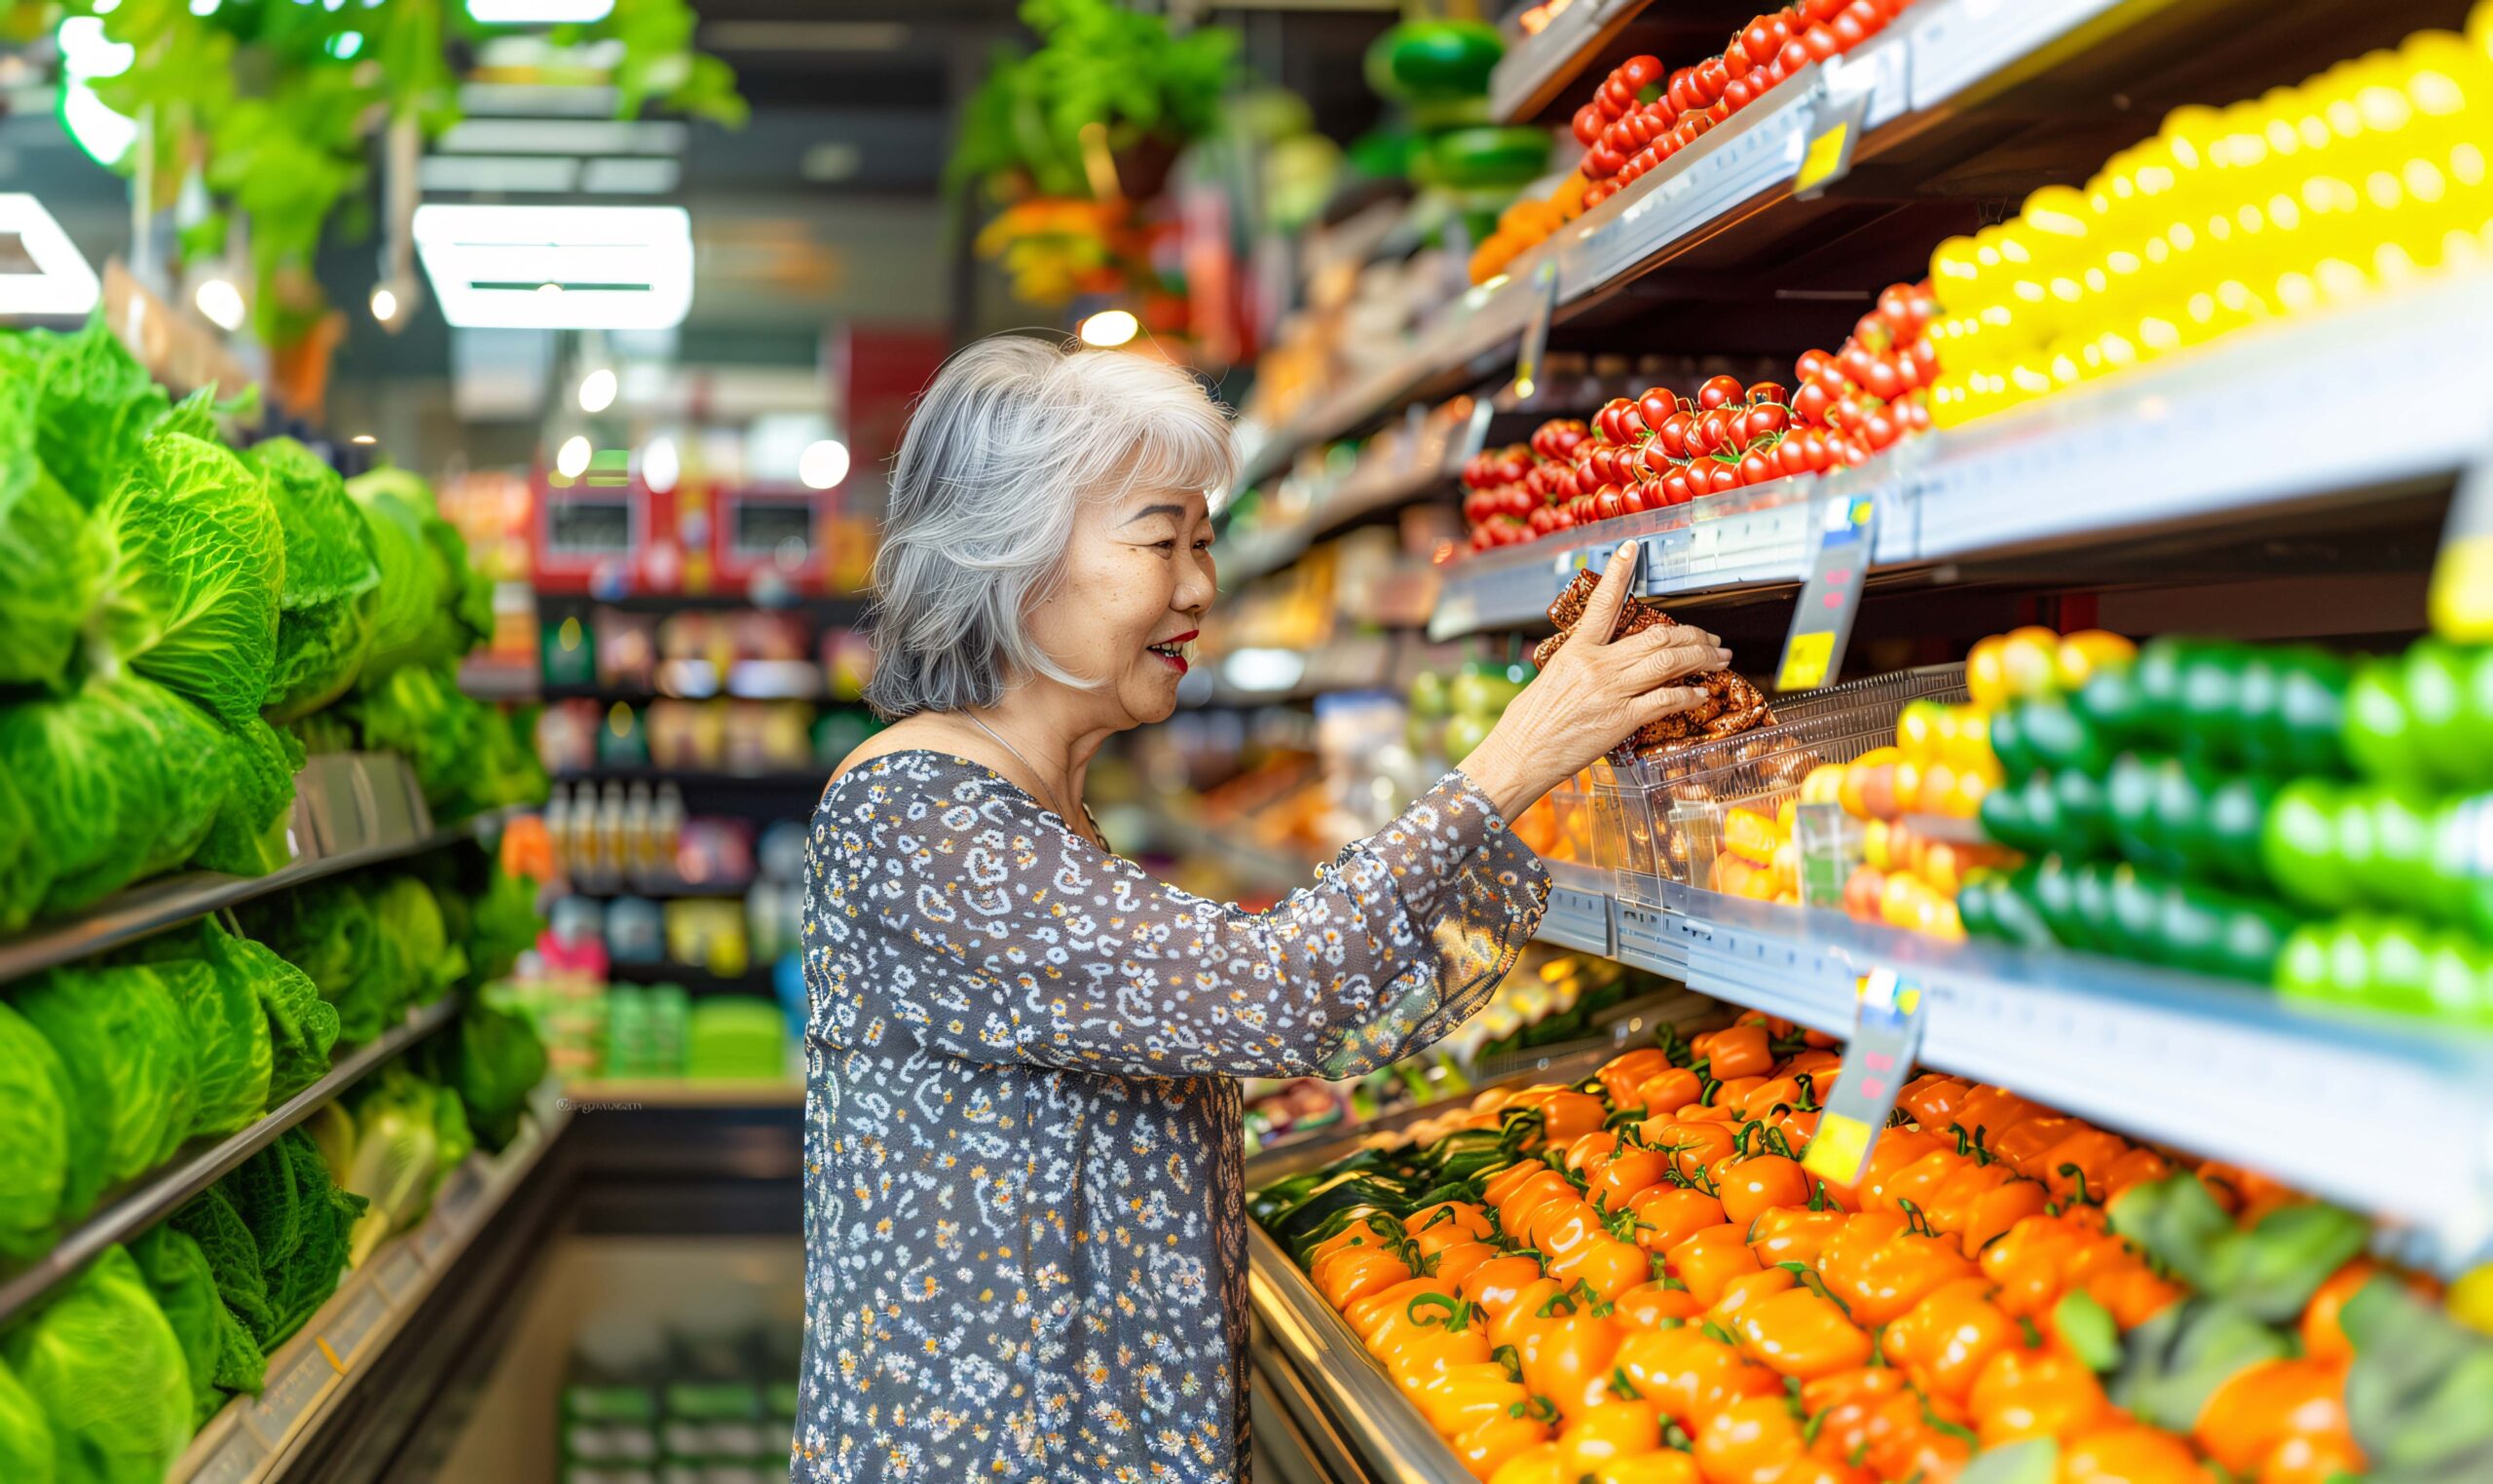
1172,652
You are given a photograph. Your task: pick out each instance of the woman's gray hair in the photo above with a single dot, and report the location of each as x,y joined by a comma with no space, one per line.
1004,445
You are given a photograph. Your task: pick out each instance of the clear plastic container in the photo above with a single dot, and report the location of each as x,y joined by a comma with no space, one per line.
1664,817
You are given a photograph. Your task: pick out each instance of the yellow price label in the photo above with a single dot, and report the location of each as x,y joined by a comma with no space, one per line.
1825,157
2462,592
1838,1150
1804,661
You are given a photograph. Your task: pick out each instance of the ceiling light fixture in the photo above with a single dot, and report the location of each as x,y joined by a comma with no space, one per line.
384,305
823,464
571,460
365,438
558,267
221,302
1109,328
62,281
538,11
597,390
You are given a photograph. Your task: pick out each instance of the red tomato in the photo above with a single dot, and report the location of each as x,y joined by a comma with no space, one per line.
1794,56
1658,406
1587,126
1642,72
1739,94
1757,466
1608,504
1768,418
1631,499
1759,40
1848,32
1601,161
1725,476
1676,488
1883,382
1810,404
1770,391
1713,75
1820,43
1736,57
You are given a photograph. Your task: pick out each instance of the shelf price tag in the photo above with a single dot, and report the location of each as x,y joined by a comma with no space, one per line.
1835,131
1887,1035
1535,330
2461,597
1831,596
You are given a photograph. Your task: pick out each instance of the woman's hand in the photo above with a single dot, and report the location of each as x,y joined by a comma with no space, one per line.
1595,693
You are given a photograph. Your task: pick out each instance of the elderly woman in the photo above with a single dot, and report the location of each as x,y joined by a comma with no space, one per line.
1025,1238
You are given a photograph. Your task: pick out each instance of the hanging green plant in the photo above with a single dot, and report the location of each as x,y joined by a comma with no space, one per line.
1106,85
274,104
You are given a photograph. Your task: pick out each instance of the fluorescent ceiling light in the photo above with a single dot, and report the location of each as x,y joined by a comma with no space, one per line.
571,460
384,305
551,175
631,177
540,12
62,282
616,267
565,137
597,390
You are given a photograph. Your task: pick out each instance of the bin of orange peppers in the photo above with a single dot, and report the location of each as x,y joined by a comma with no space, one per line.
1637,1279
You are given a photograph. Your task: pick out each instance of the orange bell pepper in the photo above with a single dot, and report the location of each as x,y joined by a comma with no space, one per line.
1461,1217
1568,1358
1740,1050
1792,1234
1458,1398
1493,1442
1667,1215
1655,1306
1691,1375
1453,1264
2262,1405
1585,1148
1608,1431
2024,1393
1671,1087
1944,1341
1749,1442
1629,1175
1879,1279
2128,1452
1496,1285
1750,1187
1709,1259
1802,1334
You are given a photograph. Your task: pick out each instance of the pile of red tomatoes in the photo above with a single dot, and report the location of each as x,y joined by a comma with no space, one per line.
1639,118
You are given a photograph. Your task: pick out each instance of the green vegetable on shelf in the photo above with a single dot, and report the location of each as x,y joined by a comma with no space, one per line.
1434,61
27,1452
107,1371
2419,1396
34,1138
130,1069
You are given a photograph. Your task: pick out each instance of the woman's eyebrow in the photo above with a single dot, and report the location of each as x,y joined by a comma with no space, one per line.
1177,512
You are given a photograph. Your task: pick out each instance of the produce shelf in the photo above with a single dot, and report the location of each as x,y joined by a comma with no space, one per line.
256,1439
1962,99
2068,473
160,1194
167,902
1538,68
2388,1118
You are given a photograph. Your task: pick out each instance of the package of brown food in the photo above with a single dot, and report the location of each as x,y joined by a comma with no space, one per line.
1731,705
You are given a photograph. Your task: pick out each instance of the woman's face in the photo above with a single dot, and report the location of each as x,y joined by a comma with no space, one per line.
1137,580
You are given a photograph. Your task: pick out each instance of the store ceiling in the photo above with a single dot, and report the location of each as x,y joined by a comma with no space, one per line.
826,208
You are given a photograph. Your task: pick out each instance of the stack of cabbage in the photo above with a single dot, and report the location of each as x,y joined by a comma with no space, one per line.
107,1068
173,615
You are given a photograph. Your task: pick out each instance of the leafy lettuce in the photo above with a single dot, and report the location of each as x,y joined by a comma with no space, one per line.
34,1140
25,1434
213,980
302,1222
496,1061
94,405
107,1371
126,1052
51,560
184,1287
324,622
195,562
326,929
302,1026
121,779
233,1255
466,754
432,606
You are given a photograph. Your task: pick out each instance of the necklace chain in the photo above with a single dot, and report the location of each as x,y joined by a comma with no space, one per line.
1036,774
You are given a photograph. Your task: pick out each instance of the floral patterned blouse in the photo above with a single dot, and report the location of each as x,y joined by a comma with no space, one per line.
1024,1223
